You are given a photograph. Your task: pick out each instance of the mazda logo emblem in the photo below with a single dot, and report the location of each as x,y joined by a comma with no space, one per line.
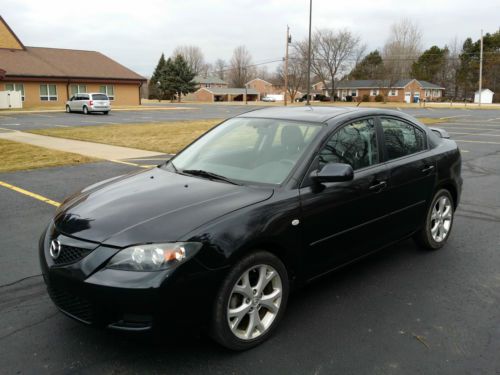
55,249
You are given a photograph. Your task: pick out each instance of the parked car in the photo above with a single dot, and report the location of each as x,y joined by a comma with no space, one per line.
265,201
268,99
86,103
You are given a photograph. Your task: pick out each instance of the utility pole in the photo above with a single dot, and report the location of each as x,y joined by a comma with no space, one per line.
288,40
309,56
481,69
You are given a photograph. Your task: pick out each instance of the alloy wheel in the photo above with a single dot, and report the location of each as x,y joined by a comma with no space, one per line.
254,302
441,217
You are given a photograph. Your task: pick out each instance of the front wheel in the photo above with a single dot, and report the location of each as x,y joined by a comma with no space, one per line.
438,223
68,109
105,112
250,302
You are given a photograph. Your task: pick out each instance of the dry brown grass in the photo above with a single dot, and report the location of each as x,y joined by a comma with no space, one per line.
168,137
20,156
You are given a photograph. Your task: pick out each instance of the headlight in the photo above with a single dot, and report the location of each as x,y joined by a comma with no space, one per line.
153,257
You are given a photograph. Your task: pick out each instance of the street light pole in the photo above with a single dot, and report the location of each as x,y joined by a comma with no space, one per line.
286,61
481,69
309,56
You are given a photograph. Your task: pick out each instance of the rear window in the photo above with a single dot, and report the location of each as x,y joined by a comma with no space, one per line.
99,97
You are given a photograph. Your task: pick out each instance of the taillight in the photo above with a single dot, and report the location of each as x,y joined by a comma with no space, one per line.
91,102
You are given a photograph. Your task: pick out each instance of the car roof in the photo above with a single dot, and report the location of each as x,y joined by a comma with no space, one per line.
314,114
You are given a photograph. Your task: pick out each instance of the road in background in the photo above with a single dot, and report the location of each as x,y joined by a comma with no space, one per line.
27,121
402,311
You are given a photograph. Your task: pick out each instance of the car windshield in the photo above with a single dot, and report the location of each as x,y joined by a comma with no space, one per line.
248,150
99,97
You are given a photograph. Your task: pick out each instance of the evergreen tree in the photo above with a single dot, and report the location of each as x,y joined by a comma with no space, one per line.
154,91
431,65
371,67
182,80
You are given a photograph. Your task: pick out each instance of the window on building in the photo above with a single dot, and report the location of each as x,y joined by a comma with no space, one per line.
393,92
427,92
15,87
109,90
374,92
354,92
77,89
48,93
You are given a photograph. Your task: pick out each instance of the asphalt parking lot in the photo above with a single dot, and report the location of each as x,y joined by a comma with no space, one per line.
402,311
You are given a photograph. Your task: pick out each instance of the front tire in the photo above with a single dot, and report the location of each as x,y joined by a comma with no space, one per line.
438,222
68,109
250,302
105,112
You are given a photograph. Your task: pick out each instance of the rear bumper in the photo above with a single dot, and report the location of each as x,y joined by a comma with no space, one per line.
99,108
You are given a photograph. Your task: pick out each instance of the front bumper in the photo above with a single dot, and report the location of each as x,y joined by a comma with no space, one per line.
126,300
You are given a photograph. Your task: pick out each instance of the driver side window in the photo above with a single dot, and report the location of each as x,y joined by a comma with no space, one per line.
354,144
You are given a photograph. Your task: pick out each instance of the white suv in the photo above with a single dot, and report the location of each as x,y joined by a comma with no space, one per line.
91,102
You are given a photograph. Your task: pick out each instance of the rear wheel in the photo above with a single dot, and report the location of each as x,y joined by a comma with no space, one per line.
85,110
438,223
251,301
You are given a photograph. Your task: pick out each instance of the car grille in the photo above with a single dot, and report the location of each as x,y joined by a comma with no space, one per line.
71,254
71,304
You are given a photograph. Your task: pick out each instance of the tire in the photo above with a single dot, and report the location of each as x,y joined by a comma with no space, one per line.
85,110
68,109
261,308
438,222
105,112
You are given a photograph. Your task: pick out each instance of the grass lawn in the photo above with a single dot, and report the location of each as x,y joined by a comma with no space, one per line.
168,137
20,156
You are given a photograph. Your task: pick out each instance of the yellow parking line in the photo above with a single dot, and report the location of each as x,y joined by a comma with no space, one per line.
132,164
29,194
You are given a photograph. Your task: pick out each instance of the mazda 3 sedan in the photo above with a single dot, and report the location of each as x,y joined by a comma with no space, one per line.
267,200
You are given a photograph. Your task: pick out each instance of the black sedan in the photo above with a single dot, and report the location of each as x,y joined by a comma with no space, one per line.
266,200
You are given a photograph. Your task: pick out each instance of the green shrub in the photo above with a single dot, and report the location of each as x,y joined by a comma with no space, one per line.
366,98
379,98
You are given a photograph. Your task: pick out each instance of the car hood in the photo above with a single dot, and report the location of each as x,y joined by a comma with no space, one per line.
151,206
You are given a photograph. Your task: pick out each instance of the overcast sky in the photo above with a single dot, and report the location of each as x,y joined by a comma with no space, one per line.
135,33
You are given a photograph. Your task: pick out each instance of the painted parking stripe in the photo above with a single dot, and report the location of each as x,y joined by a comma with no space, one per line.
476,134
132,164
480,142
30,194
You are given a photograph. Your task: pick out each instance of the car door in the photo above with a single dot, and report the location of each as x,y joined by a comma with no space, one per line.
72,102
412,174
342,221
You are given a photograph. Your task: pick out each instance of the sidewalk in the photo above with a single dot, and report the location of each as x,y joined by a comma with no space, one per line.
95,150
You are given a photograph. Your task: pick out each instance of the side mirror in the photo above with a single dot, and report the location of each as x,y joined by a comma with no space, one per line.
333,172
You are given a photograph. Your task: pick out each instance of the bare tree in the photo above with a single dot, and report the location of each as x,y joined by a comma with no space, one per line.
334,53
402,49
194,58
453,68
240,69
297,75
220,68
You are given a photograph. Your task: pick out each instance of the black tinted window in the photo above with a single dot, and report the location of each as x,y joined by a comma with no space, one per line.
401,138
354,144
99,97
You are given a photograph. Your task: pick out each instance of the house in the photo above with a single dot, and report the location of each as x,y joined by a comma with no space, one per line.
49,76
264,87
225,94
486,96
208,82
404,90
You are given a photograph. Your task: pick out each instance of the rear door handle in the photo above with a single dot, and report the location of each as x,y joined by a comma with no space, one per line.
378,186
427,168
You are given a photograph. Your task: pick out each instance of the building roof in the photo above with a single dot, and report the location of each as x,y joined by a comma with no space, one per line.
63,63
229,90
382,83
209,80
484,91
260,79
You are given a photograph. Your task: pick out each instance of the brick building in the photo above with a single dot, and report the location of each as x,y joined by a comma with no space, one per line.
404,90
49,76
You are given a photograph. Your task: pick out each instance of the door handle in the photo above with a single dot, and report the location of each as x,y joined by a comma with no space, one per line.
378,186
427,168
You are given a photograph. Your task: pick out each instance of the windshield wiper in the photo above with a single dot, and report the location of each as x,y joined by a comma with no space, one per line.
210,175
